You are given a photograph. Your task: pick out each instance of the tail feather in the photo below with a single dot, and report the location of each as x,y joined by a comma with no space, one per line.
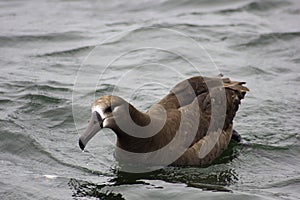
235,92
235,85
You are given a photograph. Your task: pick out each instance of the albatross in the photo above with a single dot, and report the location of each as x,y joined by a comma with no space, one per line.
191,125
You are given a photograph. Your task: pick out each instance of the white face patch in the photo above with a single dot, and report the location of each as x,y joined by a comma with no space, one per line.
105,123
99,110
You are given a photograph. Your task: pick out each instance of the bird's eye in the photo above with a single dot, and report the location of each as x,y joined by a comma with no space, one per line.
108,110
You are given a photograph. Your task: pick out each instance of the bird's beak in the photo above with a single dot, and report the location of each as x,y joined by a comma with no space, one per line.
94,126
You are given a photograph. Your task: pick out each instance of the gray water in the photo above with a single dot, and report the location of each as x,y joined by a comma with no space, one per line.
52,56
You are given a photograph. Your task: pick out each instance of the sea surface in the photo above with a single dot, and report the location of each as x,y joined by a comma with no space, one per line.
57,56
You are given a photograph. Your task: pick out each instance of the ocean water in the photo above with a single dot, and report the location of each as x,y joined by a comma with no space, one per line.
56,56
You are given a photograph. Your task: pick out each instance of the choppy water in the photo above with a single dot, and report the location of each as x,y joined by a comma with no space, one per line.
44,43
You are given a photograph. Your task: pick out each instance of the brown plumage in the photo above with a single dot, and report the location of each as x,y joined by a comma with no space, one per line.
192,124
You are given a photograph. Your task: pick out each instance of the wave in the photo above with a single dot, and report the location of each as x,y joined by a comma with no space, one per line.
47,88
222,7
296,60
256,6
60,116
252,70
68,52
5,101
33,86
23,148
270,38
264,5
41,99
50,37
19,144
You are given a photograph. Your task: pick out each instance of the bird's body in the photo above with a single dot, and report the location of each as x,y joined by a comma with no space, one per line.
192,125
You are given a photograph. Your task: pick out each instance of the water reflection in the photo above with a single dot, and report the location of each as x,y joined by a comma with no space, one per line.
205,179
87,189
216,178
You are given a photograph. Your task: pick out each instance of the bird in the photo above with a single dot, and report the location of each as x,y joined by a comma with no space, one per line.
191,126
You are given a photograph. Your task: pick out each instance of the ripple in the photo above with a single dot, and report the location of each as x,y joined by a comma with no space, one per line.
21,88
87,189
48,88
50,37
39,103
69,52
255,6
60,117
270,38
5,101
252,70
296,60
42,99
37,128
264,5
19,144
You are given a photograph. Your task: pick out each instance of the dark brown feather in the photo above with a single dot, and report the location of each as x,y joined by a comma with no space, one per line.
189,104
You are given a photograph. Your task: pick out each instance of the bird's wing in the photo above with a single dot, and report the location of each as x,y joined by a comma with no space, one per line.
213,113
185,92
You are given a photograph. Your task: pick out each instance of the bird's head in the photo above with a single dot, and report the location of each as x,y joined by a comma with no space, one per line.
105,111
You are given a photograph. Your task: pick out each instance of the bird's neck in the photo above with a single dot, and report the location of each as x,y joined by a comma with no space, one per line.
146,127
140,118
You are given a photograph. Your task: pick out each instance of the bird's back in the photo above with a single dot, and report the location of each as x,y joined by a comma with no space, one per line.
208,103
